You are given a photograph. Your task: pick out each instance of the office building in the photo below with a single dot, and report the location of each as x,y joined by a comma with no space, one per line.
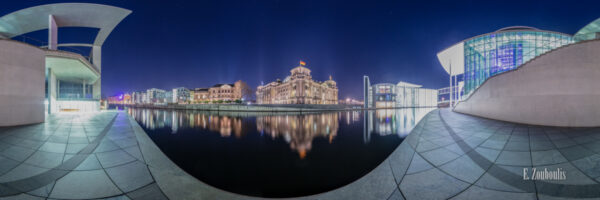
400,95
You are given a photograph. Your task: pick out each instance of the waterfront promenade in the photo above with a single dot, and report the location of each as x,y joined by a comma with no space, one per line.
447,156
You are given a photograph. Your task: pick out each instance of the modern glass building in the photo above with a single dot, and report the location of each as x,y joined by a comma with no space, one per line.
480,57
412,95
384,95
401,95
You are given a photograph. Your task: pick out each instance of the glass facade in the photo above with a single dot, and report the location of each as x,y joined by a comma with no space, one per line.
497,52
73,90
388,95
385,95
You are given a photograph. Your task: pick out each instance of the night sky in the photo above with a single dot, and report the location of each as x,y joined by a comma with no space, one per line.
167,44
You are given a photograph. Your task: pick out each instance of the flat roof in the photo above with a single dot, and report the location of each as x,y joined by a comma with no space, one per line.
69,66
104,17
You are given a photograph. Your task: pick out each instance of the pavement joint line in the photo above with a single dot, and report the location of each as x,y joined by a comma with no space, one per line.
550,189
31,183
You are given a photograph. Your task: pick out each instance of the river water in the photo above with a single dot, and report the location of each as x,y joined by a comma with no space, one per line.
277,154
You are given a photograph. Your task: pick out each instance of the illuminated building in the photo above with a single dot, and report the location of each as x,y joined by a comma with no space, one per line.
298,88
120,99
180,95
136,97
144,97
199,95
476,59
529,76
51,77
227,92
155,95
400,95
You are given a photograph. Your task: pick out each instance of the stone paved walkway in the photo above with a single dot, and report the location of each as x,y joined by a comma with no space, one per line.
75,156
456,156
448,155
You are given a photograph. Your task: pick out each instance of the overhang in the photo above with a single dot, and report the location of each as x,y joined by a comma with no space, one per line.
69,66
406,84
454,58
90,15
589,31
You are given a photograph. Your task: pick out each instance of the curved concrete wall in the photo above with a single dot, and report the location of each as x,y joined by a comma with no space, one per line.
22,78
559,88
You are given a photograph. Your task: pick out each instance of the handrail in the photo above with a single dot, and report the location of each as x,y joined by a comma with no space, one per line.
523,65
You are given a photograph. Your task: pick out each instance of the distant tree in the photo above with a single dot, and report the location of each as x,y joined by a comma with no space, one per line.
247,93
219,101
238,101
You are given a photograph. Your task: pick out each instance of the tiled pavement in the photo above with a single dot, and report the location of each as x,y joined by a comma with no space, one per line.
447,156
455,156
74,156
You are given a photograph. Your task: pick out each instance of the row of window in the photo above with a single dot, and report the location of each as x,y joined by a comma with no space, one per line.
492,54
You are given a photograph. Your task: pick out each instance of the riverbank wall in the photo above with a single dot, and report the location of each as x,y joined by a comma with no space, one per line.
250,108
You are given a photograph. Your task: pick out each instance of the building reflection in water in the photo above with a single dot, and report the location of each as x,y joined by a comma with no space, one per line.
392,121
157,119
300,130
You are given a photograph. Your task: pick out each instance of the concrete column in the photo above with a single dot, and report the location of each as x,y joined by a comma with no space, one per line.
50,88
450,104
366,86
457,89
52,33
57,94
52,92
97,62
84,83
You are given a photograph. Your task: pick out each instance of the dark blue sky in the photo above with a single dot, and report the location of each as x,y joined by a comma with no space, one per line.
167,44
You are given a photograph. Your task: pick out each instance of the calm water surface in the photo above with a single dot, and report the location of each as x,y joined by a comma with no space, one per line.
277,154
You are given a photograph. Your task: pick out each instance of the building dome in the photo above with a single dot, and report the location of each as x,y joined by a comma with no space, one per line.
518,28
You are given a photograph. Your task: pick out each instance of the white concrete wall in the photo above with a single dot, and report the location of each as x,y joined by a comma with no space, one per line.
77,106
21,83
560,88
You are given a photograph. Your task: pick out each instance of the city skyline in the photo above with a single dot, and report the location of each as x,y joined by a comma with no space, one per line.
259,41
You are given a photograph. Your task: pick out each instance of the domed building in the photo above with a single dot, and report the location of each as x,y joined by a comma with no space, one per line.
298,88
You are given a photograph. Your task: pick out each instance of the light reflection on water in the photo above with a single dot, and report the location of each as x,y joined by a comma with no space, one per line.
278,154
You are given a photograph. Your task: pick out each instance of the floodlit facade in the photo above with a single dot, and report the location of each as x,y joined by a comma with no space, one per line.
181,95
155,95
384,95
550,79
412,95
298,88
402,94
474,60
199,95
52,79
227,92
